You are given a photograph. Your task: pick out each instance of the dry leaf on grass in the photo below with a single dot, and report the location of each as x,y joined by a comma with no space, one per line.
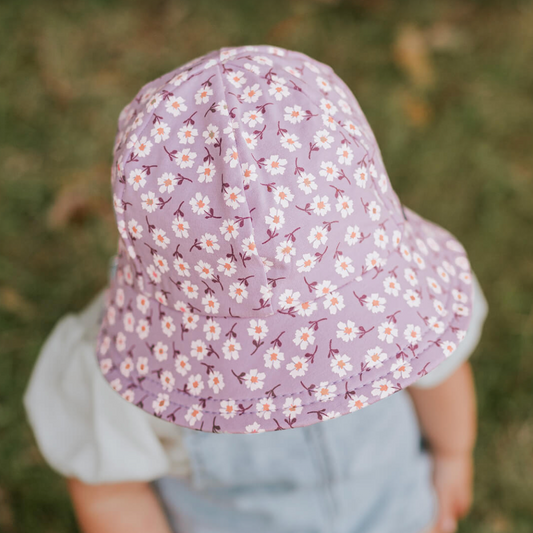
411,54
446,38
13,302
417,110
71,205
51,72
7,523
285,28
81,196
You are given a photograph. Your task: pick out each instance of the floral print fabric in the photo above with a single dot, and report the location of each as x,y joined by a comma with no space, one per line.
267,277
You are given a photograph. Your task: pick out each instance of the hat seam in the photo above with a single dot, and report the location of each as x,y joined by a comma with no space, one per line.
286,395
149,118
400,226
237,145
138,266
342,380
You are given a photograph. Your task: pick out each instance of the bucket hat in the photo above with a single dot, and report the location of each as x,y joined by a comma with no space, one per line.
267,275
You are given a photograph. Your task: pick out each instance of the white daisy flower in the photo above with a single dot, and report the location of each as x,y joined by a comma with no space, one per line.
167,380
306,263
160,404
227,266
306,182
187,134
216,381
391,285
195,384
275,165
229,229
374,211
137,179
200,203
374,357
202,95
292,407
304,337
160,132
343,266
209,243
237,79
264,408
382,388
212,329
289,298
387,332
320,205
325,391
160,238
323,139
249,140
148,202
297,367
254,379
228,409
290,142
376,303
329,170
412,298
278,91
273,358
345,155
194,414
167,325
285,250
254,428
434,286
257,329
161,351
185,158
412,334
175,105
401,369
231,349
357,402
340,365
346,331
448,347
210,303
211,134
294,114
344,205
436,325
334,302
380,238
283,196
167,182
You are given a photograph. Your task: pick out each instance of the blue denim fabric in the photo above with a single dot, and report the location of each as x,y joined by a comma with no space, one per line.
361,473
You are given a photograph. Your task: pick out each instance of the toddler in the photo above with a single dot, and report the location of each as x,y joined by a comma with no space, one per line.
268,281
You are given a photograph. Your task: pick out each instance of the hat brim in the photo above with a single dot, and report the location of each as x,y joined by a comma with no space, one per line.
336,371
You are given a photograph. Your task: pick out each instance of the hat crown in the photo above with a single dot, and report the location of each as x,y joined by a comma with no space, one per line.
249,182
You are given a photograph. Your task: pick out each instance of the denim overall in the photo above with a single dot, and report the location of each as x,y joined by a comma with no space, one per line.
365,472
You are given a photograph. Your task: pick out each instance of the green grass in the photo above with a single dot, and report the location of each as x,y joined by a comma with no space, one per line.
458,150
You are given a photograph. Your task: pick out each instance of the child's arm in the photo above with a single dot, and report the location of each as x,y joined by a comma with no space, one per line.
117,508
447,414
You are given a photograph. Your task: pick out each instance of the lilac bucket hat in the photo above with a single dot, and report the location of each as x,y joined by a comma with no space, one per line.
267,275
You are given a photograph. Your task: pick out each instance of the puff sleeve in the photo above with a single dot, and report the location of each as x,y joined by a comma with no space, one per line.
83,428
465,348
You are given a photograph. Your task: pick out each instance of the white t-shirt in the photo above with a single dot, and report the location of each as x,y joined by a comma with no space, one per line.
85,430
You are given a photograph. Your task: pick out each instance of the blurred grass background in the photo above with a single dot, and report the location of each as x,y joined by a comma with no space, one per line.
448,88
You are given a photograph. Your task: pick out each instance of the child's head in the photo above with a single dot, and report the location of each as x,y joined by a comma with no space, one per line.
268,276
